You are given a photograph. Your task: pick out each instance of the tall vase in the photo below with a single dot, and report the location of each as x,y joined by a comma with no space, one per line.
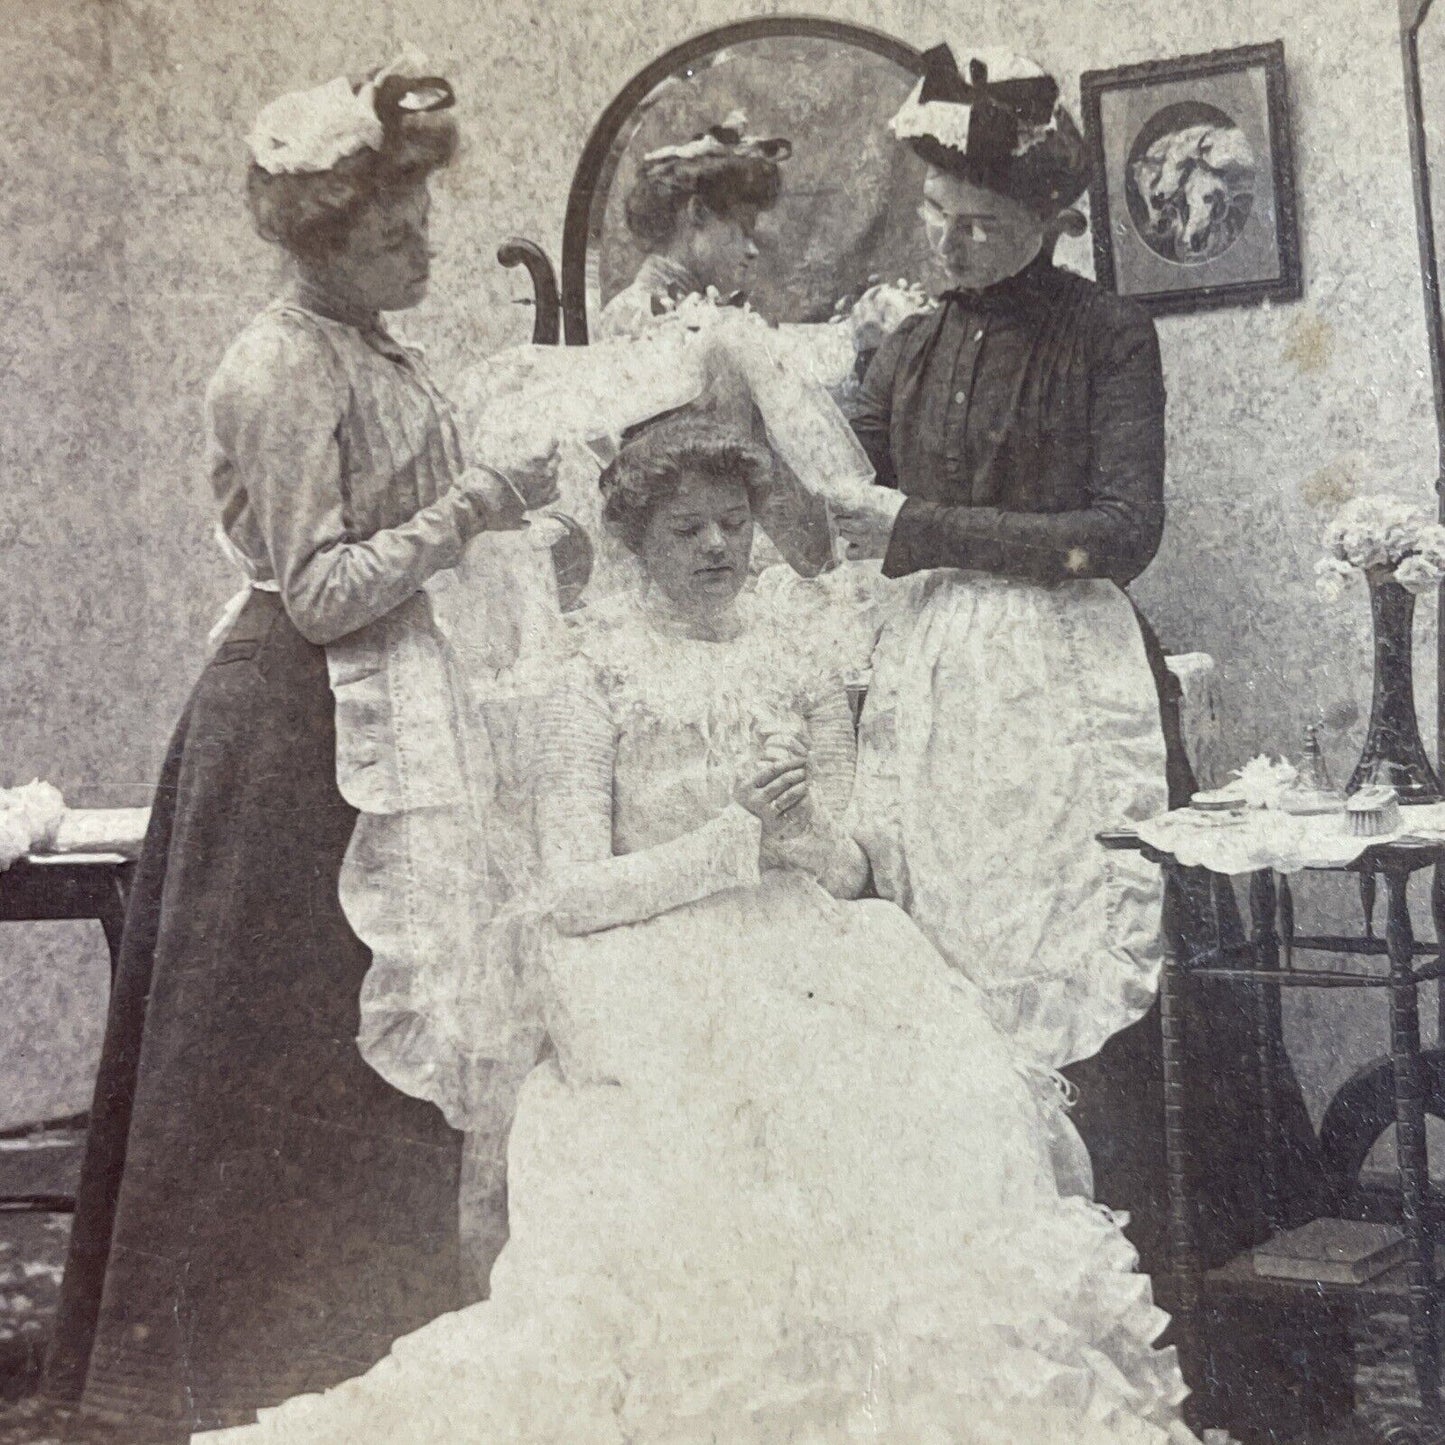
1393,738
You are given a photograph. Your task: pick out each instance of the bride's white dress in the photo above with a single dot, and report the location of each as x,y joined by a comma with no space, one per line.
781,1181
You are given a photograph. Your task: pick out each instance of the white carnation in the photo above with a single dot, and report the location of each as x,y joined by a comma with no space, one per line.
1262,783
1418,574
1331,575
40,806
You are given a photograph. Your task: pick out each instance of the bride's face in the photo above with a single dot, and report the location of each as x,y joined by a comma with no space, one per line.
697,544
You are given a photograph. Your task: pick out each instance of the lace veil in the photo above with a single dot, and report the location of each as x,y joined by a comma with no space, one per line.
437,706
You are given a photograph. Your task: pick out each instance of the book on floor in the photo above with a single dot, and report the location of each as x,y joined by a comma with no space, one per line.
1332,1251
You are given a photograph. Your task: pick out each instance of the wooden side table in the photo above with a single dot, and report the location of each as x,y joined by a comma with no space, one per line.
60,886
76,886
1266,962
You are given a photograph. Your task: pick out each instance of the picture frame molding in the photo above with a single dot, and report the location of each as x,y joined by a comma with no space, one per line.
1094,84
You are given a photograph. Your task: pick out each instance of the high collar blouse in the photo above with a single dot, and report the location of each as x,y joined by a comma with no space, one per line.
1025,425
660,283
333,456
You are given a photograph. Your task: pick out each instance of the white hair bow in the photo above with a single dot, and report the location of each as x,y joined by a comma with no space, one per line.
308,131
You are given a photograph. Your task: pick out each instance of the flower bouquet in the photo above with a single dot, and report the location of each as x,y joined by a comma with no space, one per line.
880,310
1386,537
30,818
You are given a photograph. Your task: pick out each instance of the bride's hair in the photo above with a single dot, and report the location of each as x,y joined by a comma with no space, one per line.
652,463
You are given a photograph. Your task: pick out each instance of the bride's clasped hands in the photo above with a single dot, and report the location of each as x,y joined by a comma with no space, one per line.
774,788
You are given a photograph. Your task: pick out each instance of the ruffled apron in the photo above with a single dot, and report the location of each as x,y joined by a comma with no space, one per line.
1006,724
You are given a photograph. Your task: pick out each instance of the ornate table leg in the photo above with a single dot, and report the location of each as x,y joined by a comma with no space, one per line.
1184,1261
1437,914
1410,1135
1263,903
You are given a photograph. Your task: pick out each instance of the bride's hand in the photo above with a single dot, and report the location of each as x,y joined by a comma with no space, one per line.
776,794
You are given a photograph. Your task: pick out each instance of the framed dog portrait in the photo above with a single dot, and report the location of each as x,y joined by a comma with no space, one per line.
1193,190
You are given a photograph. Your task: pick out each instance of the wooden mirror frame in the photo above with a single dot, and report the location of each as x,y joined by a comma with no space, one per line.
596,169
1413,14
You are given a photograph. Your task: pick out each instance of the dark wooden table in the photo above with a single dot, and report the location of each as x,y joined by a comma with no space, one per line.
1266,963
66,886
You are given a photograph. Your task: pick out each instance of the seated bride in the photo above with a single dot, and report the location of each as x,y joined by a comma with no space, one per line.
777,1177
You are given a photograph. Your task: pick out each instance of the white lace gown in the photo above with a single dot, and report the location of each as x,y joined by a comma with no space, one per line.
782,1180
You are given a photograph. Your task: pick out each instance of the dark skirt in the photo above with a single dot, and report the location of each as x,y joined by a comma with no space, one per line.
259,1214
1244,1381
1120,1111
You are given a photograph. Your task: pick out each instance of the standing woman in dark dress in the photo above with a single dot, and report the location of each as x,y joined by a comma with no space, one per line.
1019,703
259,1213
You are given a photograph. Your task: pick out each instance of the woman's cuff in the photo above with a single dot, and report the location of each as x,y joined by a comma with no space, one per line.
827,852
740,838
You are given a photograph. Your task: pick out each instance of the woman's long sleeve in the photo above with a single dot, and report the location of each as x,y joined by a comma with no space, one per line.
824,848
274,411
872,417
589,888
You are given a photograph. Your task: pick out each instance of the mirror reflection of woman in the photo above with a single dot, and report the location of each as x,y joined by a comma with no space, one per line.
693,209
259,1213
779,1178
1018,434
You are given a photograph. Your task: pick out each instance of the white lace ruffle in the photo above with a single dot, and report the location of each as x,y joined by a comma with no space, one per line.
711,1240
657,680
1006,725
1236,843
436,710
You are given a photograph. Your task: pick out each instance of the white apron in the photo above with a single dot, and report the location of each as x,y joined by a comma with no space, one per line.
1006,724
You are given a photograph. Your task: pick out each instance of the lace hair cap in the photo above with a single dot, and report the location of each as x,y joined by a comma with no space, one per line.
1002,126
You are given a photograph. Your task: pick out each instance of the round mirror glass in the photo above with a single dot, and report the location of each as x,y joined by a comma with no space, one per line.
850,193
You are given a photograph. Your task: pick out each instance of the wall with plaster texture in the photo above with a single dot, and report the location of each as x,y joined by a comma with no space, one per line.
130,263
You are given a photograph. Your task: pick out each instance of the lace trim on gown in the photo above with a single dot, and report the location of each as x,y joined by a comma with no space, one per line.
733,1220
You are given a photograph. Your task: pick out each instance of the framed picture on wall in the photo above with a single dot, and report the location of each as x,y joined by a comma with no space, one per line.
1193,192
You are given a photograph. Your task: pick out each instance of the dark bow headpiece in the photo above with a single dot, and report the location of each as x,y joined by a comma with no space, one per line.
1007,132
998,109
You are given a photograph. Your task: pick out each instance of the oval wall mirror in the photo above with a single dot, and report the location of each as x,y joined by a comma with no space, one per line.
847,211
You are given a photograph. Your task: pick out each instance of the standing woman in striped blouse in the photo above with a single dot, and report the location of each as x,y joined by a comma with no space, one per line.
260,1213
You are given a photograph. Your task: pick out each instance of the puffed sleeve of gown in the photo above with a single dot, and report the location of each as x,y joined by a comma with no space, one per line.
589,887
824,848
274,408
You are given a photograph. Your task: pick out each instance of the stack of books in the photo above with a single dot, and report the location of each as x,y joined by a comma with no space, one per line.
1332,1251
